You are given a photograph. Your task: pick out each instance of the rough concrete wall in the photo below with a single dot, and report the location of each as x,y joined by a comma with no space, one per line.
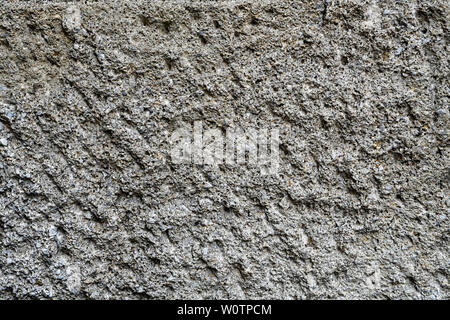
93,206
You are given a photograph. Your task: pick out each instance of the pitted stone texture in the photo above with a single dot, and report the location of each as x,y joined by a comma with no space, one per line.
92,206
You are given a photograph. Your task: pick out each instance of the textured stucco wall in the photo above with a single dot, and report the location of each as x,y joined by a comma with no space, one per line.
93,206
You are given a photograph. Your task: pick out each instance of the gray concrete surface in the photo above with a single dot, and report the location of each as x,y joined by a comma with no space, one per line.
93,207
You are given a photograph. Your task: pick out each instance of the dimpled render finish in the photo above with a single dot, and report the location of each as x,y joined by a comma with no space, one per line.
93,206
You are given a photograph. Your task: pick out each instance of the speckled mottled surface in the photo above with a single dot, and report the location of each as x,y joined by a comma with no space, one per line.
93,207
